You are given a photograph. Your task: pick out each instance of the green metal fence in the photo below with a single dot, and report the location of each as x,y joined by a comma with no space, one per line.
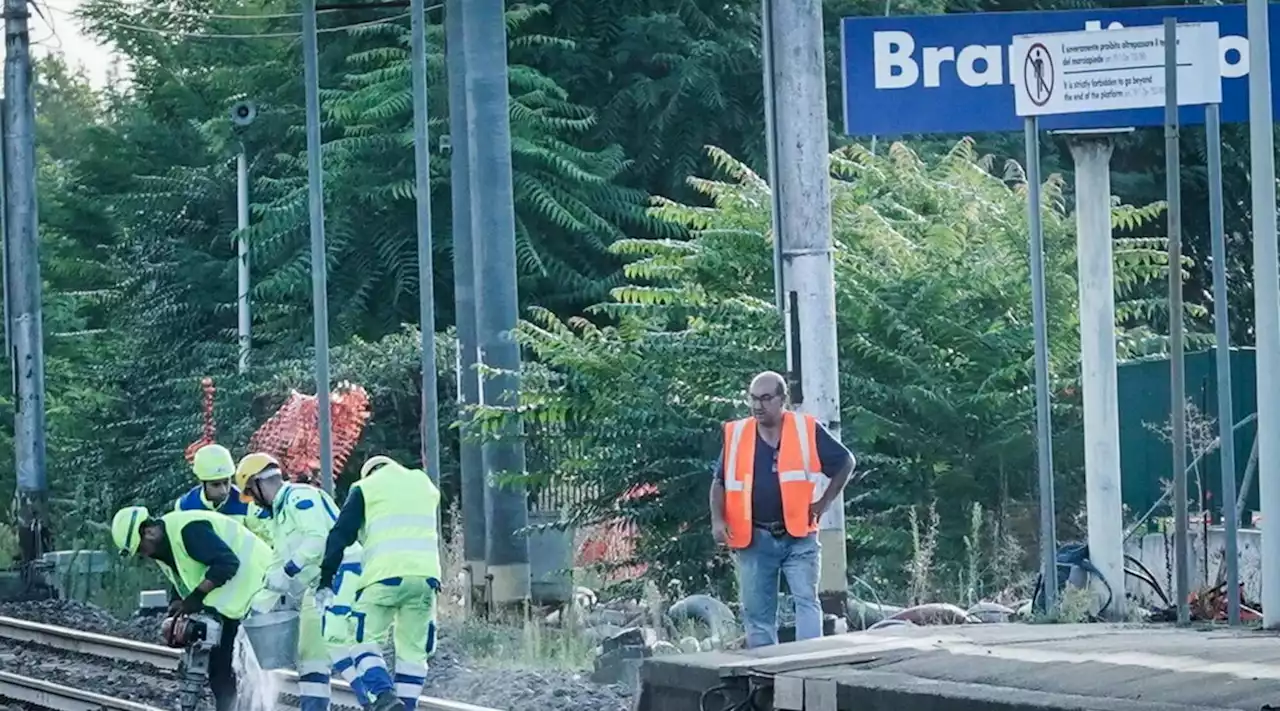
1145,458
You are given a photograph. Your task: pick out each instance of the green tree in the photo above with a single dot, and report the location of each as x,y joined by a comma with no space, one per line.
933,308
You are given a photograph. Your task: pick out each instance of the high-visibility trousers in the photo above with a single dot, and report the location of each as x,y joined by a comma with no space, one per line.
410,605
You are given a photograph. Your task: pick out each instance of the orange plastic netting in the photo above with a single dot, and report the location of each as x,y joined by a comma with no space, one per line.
292,434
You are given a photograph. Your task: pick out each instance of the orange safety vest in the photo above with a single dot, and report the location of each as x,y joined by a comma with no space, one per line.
798,470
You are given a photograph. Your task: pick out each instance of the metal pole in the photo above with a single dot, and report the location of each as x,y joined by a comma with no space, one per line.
803,184
4,258
1226,412
1098,375
1039,319
493,225
426,270
1266,295
1177,400
464,294
242,249
771,150
22,240
319,266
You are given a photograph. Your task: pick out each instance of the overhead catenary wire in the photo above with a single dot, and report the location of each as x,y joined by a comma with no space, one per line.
130,6
179,34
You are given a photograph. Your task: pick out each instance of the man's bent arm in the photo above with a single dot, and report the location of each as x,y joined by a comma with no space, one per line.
345,531
206,547
837,463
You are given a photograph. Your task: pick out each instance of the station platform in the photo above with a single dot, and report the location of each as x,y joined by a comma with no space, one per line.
983,667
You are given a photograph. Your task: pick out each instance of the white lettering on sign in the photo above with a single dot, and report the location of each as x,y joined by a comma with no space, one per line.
1086,71
898,65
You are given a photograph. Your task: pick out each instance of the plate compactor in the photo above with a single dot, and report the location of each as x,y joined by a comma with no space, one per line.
197,635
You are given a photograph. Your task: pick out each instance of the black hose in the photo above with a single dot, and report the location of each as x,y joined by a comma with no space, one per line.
748,703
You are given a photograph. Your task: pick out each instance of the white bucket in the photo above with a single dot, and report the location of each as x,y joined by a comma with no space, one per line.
274,637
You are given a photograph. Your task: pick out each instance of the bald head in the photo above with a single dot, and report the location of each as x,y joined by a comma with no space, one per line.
767,396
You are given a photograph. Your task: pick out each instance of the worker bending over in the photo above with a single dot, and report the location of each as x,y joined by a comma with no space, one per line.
301,516
213,466
392,511
217,565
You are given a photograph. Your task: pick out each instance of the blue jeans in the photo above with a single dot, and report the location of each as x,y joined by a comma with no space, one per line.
758,567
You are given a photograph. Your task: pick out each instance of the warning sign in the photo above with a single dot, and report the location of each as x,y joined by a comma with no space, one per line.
1108,70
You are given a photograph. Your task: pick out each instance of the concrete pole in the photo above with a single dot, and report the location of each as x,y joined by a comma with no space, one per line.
802,197
23,257
319,262
426,269
493,225
1266,299
1092,156
242,255
464,294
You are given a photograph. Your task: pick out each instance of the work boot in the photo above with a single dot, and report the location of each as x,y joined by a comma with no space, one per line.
387,701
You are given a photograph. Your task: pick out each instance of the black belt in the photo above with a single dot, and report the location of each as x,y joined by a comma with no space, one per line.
775,528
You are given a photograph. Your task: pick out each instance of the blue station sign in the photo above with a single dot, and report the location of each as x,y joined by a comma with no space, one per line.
950,73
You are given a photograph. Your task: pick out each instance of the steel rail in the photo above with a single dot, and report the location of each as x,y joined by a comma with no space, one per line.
48,695
127,650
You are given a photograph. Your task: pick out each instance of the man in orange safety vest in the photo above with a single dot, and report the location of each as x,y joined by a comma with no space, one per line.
765,506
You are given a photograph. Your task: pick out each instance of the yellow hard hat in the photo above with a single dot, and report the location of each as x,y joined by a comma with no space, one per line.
126,528
213,462
373,463
252,465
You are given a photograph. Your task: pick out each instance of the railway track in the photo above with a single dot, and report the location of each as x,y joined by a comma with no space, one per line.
62,698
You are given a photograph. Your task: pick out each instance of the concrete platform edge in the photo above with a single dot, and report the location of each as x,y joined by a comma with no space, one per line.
887,691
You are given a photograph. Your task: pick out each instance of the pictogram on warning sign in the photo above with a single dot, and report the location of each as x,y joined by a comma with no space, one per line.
1038,74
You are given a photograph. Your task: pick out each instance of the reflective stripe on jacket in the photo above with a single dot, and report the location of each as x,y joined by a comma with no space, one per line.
399,532
301,518
798,472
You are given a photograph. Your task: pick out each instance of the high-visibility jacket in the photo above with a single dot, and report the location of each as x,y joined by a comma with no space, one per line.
234,597
251,515
798,469
301,517
399,531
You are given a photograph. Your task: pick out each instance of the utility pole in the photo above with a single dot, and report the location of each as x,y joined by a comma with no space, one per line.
493,225
242,117
23,268
242,255
464,291
319,266
1266,298
795,77
426,273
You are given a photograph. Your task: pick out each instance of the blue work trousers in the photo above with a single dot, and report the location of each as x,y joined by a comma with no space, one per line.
758,567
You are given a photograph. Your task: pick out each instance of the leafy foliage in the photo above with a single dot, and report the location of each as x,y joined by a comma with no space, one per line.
934,329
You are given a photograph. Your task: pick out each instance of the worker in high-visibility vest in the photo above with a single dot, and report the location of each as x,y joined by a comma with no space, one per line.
214,466
218,567
765,506
301,516
392,510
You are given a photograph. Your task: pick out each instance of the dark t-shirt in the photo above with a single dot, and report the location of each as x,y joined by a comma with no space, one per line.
766,493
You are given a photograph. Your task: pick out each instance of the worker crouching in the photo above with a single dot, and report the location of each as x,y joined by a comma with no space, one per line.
217,566
392,511
301,516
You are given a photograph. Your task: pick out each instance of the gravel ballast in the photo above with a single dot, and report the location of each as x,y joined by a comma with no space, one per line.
451,677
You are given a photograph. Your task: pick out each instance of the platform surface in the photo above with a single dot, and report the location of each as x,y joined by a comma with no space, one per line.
1001,666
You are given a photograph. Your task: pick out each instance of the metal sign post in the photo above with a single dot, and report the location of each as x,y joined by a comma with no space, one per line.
1226,411
1072,73
1178,387
1044,438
